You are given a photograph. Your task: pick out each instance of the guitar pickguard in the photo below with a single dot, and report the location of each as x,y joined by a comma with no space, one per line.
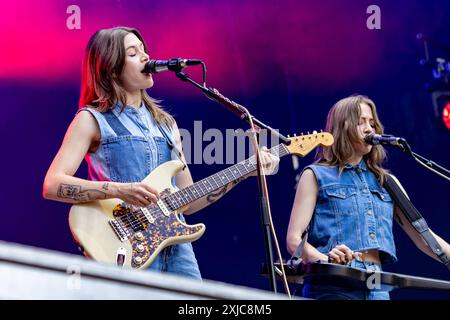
122,209
148,243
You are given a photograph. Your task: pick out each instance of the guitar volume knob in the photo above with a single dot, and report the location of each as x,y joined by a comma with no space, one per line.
140,248
137,260
139,236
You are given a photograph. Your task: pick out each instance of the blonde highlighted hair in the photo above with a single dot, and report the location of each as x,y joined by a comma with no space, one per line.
103,64
342,123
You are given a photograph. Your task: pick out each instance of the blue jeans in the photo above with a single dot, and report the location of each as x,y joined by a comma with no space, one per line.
330,292
178,259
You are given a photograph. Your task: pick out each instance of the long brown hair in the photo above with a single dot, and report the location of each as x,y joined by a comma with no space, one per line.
342,122
103,63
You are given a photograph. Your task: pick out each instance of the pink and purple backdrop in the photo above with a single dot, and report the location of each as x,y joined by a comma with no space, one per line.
287,61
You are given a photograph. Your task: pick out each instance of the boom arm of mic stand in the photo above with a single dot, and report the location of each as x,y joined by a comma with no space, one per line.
429,164
232,106
241,112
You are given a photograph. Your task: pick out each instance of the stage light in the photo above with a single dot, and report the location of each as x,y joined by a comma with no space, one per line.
446,115
441,105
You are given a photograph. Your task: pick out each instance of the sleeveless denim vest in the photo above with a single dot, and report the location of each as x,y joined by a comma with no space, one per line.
352,209
132,145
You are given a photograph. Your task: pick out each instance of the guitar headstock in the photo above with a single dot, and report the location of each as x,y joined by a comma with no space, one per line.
303,144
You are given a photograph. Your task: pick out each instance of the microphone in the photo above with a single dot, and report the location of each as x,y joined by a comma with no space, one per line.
384,139
176,64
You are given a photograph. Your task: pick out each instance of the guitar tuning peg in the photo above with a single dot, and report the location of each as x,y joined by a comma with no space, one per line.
321,130
302,134
288,136
308,132
314,132
295,134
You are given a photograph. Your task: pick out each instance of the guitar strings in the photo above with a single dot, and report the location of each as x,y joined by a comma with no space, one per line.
129,220
133,220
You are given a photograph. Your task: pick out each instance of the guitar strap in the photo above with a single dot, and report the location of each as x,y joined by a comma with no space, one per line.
415,218
171,143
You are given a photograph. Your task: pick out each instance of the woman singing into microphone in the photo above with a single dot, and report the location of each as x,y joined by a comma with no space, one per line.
342,199
124,134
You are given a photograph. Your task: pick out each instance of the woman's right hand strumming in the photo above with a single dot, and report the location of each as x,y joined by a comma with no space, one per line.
139,194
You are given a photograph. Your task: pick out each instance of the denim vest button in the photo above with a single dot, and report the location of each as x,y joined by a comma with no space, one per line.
342,193
365,190
372,234
369,212
382,197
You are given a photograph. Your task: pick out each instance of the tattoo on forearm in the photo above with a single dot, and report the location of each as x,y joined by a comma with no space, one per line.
235,182
105,186
214,196
70,191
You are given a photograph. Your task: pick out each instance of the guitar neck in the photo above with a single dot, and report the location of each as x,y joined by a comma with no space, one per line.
216,181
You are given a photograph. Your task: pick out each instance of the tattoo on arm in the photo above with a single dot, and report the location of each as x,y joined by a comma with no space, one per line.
214,196
76,193
105,186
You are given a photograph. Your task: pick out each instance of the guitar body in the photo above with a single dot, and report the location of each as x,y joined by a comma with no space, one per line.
110,231
90,224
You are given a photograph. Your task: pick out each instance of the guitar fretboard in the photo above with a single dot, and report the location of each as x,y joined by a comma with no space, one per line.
216,181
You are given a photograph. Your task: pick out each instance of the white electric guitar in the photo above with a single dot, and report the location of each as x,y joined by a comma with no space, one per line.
113,232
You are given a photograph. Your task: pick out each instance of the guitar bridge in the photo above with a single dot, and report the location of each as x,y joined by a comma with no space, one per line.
119,229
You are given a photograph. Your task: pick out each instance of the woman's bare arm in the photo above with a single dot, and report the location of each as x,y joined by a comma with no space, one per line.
301,214
420,243
61,185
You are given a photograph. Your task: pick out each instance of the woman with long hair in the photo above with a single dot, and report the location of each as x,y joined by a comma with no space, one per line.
124,134
342,199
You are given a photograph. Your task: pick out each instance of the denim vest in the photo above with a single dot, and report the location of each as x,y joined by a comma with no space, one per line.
132,145
352,209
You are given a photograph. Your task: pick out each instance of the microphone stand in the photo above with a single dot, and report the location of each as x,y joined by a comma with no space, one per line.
243,114
429,164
